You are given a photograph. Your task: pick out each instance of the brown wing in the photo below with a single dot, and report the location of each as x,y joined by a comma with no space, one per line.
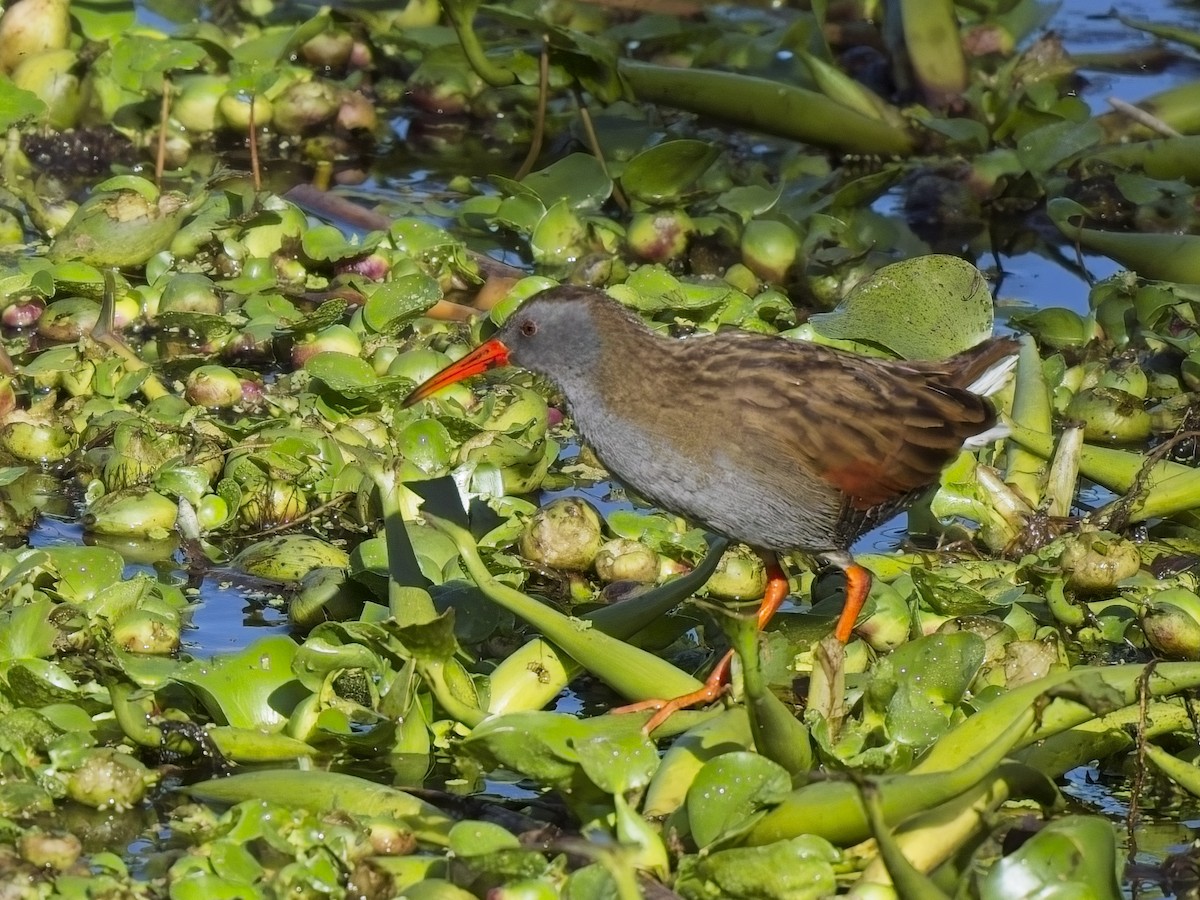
874,430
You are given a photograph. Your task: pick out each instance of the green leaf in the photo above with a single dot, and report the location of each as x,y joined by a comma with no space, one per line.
1045,149
288,557
931,675
419,238
119,598
328,650
17,105
275,45
578,180
429,641
796,869
746,201
254,688
26,632
617,763
392,304
84,571
139,62
324,243
328,313
550,748
188,482
520,213
539,745
436,554
669,170
341,372
52,359
323,792
477,618
1169,257
102,20
929,307
1070,858
38,682
731,788
11,474
474,838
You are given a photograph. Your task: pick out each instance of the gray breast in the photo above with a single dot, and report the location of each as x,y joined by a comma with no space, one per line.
717,492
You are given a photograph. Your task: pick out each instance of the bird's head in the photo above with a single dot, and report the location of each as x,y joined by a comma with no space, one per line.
553,333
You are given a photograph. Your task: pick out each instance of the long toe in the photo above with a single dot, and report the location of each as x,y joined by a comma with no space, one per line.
713,688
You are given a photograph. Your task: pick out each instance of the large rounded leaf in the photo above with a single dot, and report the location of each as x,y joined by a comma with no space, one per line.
555,749
931,675
1072,857
578,180
341,372
85,571
929,307
668,170
391,304
801,868
731,788
253,688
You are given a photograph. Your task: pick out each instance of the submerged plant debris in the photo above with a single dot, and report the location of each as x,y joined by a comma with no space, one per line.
219,281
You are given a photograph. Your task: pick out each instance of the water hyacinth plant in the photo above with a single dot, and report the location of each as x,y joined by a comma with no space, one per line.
220,279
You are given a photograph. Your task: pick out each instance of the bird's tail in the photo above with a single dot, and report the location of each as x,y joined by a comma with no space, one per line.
985,368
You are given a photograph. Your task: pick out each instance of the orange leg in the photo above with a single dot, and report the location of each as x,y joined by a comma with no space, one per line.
775,594
858,585
718,680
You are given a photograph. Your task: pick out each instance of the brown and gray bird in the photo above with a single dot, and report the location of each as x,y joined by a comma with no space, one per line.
779,444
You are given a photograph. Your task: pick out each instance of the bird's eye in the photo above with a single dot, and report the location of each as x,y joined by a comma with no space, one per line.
529,328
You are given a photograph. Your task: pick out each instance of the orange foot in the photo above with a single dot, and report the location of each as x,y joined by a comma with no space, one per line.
858,584
717,682
713,688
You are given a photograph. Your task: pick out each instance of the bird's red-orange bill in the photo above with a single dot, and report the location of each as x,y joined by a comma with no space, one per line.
486,356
